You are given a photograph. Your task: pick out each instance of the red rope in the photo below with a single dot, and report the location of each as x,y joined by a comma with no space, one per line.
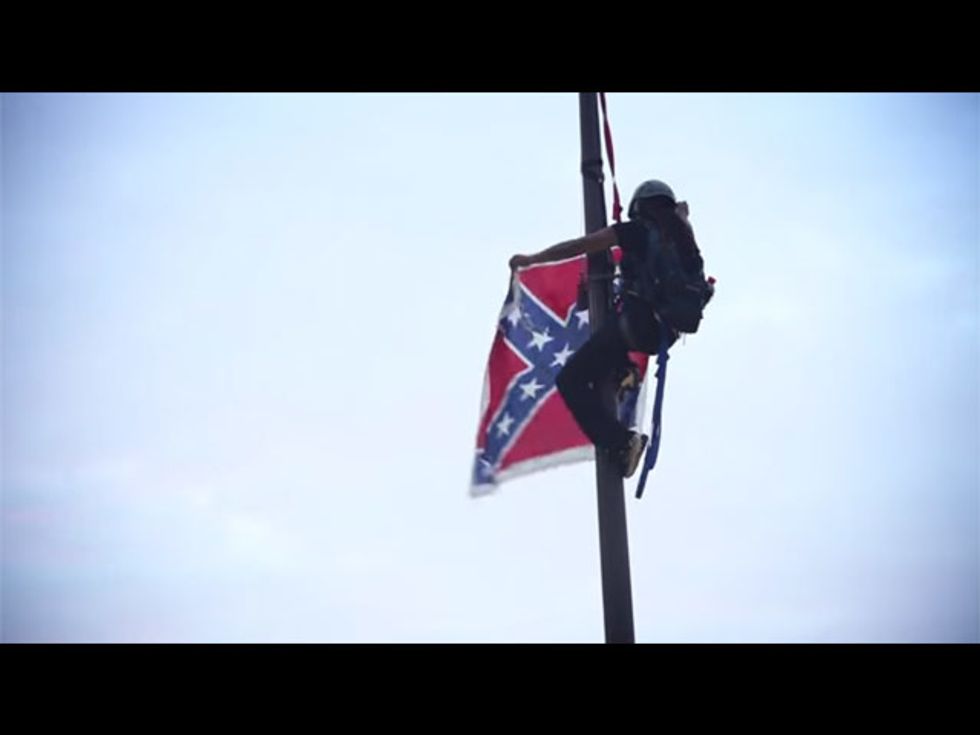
617,210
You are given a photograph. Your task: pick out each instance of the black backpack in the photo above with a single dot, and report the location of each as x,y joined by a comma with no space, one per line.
674,285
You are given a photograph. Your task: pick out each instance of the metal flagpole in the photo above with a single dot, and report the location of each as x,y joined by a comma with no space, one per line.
617,597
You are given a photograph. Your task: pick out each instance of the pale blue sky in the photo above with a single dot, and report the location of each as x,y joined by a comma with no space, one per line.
244,339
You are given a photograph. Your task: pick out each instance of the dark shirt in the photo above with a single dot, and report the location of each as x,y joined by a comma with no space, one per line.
644,330
632,237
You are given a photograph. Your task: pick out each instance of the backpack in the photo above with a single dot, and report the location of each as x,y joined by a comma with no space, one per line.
678,292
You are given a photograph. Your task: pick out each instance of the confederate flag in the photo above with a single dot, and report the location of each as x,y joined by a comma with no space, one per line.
524,423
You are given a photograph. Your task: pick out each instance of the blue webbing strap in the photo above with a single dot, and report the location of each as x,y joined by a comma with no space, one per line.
654,447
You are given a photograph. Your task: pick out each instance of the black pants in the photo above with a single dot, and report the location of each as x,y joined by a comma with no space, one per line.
603,356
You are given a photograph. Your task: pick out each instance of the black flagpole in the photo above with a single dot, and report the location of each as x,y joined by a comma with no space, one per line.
617,597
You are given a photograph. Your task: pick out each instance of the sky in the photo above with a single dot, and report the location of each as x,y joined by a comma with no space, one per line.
244,339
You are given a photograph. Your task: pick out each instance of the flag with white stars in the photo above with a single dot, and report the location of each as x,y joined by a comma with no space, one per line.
524,423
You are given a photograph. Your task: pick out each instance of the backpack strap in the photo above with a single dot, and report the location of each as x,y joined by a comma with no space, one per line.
654,447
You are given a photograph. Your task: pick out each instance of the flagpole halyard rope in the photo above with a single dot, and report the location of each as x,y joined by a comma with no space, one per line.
617,210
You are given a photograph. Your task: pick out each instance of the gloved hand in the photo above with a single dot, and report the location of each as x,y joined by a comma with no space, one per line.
519,261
